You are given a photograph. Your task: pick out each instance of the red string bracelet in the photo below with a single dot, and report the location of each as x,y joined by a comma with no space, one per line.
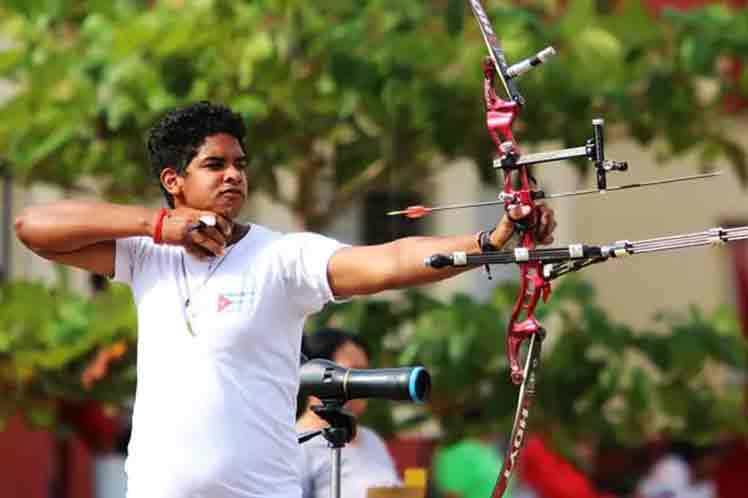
159,225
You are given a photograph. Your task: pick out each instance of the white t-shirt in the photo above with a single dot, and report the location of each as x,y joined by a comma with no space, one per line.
363,464
214,411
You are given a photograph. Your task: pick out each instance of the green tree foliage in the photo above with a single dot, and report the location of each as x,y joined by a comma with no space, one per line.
620,386
599,380
50,337
360,94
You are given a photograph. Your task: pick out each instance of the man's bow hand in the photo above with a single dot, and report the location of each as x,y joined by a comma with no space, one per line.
543,227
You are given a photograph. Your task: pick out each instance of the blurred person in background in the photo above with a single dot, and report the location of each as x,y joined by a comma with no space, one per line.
684,471
365,461
221,307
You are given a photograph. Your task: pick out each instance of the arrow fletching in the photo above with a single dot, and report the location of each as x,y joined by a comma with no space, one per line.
420,211
412,212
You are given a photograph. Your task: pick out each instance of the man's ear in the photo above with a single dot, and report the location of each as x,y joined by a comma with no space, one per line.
171,180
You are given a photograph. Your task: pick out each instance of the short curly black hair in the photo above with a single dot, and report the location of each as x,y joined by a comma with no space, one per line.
174,140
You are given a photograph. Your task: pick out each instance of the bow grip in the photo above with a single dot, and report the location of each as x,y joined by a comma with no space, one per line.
529,222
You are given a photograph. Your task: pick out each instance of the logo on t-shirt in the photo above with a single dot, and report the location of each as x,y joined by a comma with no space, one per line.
233,301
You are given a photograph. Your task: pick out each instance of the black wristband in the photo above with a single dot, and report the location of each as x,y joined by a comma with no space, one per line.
484,241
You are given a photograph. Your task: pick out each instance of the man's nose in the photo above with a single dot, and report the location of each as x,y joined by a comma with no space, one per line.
233,173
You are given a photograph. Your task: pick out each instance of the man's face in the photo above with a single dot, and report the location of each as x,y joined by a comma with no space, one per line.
216,178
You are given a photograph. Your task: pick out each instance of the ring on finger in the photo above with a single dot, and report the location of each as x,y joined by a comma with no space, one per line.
207,220
204,221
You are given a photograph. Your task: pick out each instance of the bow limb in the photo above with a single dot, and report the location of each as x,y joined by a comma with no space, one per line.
525,399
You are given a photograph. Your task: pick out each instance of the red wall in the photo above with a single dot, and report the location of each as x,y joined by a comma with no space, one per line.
33,464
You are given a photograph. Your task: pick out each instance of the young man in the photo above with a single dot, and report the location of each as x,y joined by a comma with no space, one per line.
221,306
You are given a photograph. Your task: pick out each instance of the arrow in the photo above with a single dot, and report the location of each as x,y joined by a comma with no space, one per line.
419,211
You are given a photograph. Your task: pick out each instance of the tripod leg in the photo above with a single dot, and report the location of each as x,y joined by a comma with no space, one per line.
335,473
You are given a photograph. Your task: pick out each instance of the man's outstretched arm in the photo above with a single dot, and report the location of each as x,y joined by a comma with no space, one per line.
361,270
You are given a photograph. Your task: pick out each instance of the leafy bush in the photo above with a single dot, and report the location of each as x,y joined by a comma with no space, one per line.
598,380
50,341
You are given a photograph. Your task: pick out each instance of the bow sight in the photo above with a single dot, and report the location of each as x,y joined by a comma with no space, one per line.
593,150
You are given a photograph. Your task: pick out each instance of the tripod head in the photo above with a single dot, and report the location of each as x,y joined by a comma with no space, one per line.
342,424
342,428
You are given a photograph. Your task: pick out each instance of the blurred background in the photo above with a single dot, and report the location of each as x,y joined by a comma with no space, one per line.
357,108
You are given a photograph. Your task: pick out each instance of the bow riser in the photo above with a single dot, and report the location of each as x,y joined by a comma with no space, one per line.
500,115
